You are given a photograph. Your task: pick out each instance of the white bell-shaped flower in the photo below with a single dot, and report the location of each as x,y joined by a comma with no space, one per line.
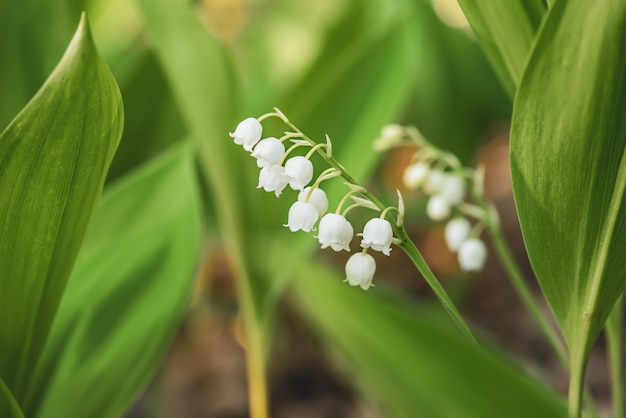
318,198
472,254
360,270
377,235
299,171
453,189
435,181
247,133
268,152
457,230
272,179
438,208
415,175
302,216
335,232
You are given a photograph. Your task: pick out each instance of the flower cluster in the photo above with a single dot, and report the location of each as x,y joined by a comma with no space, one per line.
279,169
445,181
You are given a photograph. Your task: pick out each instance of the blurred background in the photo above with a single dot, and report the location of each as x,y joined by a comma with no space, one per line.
342,67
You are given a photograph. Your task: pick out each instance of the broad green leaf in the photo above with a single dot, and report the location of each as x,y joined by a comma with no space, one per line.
411,364
506,31
8,405
53,160
568,162
126,295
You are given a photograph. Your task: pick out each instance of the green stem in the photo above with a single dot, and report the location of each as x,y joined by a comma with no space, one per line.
614,328
524,293
419,262
521,288
578,363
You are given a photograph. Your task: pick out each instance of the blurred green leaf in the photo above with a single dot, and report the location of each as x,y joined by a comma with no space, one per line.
126,295
152,119
408,362
457,96
506,31
568,149
53,161
8,405
366,70
201,78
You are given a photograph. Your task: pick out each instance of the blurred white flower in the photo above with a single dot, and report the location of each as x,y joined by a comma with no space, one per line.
360,270
453,188
415,175
268,152
299,172
272,179
390,135
377,235
472,254
335,231
457,230
302,216
318,198
247,133
435,181
438,208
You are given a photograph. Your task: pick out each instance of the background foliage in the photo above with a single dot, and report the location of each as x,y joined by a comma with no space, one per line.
178,189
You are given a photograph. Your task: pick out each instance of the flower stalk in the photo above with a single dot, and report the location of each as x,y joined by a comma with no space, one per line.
378,234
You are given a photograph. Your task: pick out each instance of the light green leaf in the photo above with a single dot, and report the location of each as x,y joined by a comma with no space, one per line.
53,161
126,295
409,362
506,31
8,405
568,157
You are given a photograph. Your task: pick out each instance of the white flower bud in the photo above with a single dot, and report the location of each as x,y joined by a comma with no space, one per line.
302,216
335,231
438,208
390,135
377,235
453,188
415,175
318,198
272,179
472,254
435,181
247,133
268,152
299,171
457,230
360,270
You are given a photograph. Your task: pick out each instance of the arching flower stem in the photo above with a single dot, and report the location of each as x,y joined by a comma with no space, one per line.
399,231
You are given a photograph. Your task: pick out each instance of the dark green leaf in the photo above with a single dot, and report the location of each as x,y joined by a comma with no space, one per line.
126,295
53,160
568,157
